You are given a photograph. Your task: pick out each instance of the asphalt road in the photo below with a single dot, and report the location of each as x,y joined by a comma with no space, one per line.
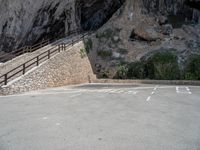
102,117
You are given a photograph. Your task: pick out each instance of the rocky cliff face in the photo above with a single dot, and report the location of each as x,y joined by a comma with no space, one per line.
185,8
29,21
143,27
25,22
94,13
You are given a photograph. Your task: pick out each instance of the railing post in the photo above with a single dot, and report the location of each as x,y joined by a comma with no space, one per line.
59,48
30,49
24,69
5,79
48,54
37,60
72,42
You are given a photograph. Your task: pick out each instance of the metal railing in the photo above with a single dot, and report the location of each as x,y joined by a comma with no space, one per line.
27,49
36,61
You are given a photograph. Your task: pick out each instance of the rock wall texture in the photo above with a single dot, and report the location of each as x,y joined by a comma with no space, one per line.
66,68
27,21
143,27
24,22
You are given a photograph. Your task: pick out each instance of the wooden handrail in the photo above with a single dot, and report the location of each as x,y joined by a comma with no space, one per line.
14,53
36,60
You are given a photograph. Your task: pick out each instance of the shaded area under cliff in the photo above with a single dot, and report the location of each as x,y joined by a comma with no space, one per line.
93,14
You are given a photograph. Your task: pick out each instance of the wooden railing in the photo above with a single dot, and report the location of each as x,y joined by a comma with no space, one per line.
27,49
27,66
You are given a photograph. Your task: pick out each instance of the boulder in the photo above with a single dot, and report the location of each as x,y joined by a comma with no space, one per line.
162,20
167,29
147,32
179,34
116,38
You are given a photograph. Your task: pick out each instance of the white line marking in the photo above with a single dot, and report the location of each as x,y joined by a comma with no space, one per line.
68,91
177,89
75,95
148,99
58,124
155,88
44,118
152,93
120,91
132,92
185,90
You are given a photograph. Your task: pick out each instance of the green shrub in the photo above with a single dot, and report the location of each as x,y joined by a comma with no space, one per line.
192,71
88,45
122,72
104,54
163,66
105,74
83,53
136,70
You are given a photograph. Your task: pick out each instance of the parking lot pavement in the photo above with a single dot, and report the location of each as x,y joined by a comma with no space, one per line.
102,117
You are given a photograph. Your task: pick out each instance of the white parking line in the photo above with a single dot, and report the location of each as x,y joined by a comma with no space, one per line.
152,93
155,88
76,95
44,118
58,124
148,99
183,90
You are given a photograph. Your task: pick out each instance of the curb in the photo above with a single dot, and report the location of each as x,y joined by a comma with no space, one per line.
159,82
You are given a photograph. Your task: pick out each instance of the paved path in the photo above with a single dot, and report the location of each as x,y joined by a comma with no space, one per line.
102,117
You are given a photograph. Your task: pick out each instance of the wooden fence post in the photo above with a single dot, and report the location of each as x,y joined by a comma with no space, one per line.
37,60
62,47
48,54
24,69
5,79
59,48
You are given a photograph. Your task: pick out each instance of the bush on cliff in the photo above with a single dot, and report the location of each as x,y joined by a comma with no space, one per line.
192,71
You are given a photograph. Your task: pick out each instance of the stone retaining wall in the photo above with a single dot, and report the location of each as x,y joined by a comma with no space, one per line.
7,66
67,67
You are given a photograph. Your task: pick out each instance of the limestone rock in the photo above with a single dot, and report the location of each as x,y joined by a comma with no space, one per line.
147,32
167,29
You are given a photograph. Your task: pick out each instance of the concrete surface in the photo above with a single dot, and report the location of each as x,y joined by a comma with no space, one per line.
102,117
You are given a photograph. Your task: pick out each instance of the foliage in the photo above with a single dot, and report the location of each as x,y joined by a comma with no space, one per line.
122,72
104,54
88,45
163,66
83,53
136,70
192,71
105,74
